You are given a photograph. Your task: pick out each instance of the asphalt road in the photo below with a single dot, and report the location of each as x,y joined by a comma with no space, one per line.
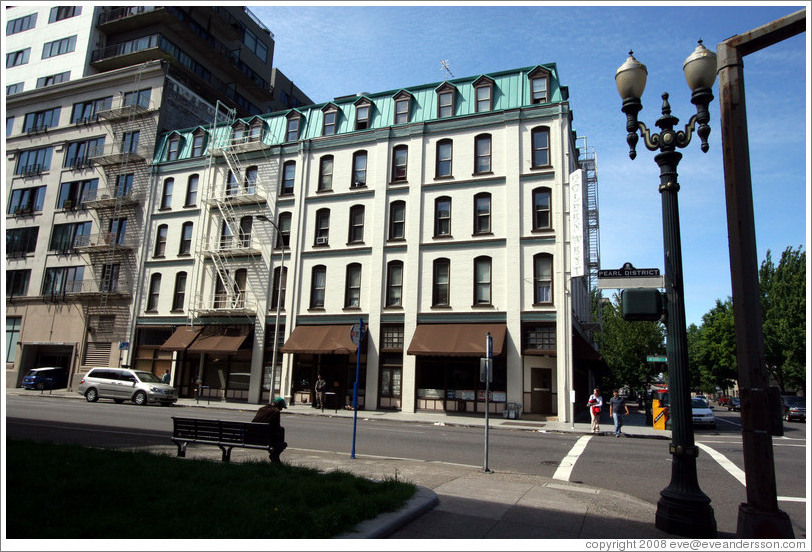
640,467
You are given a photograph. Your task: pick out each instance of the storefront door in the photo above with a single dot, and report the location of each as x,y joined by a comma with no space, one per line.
541,393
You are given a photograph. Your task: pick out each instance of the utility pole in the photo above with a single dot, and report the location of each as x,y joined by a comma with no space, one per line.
759,517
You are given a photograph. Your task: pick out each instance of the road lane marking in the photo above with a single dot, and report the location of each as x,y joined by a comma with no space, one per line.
564,469
731,468
738,473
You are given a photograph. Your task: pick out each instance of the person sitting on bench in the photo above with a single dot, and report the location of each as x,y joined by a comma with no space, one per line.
272,414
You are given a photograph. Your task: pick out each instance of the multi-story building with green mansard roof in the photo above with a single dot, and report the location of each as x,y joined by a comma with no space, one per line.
436,214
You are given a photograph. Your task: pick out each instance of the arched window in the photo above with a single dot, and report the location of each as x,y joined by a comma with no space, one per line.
442,216
482,154
482,213
397,220
251,174
154,292
166,195
322,227
288,177
444,158
441,270
399,157
356,231
394,284
359,169
173,147
276,290
482,281
541,147
240,281
246,224
179,296
325,173
541,208
160,240
542,278
186,238
191,190
352,287
283,235
318,280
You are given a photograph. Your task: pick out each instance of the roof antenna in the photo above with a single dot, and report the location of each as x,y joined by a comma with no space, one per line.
444,63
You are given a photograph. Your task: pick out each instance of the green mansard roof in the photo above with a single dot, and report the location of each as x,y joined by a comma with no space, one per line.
511,90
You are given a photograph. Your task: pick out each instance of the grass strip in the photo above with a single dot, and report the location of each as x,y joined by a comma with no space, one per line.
70,492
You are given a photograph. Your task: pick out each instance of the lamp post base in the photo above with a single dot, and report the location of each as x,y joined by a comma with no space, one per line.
685,517
757,524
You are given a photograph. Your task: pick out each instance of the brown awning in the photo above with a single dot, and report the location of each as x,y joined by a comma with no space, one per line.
320,340
466,340
181,339
217,344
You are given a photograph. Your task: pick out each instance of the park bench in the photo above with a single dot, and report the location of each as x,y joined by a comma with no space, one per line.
227,434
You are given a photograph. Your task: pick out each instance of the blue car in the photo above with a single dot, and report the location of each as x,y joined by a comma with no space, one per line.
52,377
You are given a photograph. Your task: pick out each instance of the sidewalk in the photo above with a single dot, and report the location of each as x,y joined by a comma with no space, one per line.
463,502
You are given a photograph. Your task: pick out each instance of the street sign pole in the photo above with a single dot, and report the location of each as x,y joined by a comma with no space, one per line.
356,334
488,376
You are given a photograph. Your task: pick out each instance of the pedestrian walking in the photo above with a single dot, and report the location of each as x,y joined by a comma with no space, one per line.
321,385
616,405
595,405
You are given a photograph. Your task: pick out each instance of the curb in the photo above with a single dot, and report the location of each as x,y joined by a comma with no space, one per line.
384,525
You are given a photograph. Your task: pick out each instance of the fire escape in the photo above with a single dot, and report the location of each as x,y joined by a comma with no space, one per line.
231,277
117,208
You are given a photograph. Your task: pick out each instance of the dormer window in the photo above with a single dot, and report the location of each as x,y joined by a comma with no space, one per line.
362,113
330,120
403,105
237,133
294,121
173,147
198,143
483,92
445,100
539,85
254,131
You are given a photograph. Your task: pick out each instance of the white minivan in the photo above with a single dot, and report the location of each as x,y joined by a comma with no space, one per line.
123,384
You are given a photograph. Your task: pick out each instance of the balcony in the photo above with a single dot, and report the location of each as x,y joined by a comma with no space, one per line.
122,111
99,199
223,305
231,247
242,196
103,242
115,155
128,18
92,288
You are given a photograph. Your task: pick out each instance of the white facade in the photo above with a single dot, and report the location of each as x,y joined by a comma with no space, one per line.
508,295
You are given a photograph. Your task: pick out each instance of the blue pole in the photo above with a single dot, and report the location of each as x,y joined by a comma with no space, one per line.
355,386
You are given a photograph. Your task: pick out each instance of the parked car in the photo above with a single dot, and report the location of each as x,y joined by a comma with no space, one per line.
48,377
794,408
701,414
734,404
723,400
123,384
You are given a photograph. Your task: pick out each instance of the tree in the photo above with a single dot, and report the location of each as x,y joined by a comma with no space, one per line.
712,349
625,346
783,308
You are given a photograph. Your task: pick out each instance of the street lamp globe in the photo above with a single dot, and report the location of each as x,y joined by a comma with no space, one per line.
699,68
631,78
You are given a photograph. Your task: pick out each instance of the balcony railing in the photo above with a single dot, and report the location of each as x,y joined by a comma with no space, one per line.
103,241
115,153
116,286
120,13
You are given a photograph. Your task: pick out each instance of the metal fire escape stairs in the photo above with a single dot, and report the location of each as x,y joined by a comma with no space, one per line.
221,240
112,249
589,168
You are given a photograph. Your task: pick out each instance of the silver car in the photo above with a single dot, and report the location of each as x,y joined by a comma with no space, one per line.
123,384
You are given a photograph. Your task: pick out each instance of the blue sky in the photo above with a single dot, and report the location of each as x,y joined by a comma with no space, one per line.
330,51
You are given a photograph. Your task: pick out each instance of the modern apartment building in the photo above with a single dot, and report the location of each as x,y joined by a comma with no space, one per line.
435,214
88,90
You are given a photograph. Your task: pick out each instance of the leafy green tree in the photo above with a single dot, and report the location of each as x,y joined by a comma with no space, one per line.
712,349
783,306
625,345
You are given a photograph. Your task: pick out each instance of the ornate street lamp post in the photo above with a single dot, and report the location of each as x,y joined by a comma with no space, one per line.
683,509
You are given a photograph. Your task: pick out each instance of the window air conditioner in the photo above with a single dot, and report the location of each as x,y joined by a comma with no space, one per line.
321,240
